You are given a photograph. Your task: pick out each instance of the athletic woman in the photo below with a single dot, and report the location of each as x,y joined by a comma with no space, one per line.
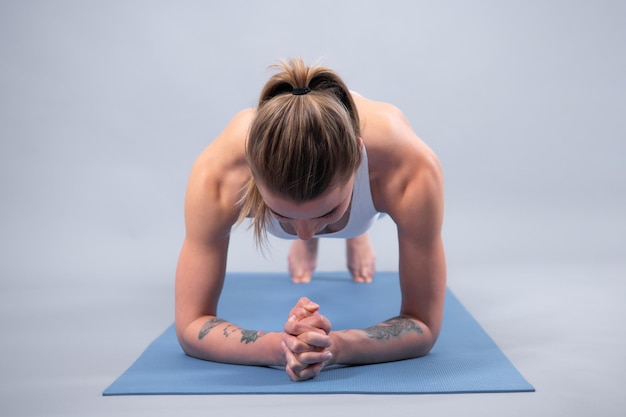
313,160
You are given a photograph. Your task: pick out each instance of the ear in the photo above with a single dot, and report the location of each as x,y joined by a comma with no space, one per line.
360,142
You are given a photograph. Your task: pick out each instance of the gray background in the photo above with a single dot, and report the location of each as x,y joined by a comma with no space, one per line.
105,105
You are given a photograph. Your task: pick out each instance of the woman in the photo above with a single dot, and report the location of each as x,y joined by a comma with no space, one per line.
313,160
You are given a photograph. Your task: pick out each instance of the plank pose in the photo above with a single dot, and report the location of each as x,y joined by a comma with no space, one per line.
313,160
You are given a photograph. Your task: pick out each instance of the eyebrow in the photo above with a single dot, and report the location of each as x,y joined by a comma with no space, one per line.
320,217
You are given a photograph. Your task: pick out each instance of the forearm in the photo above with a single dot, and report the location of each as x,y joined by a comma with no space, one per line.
394,339
214,339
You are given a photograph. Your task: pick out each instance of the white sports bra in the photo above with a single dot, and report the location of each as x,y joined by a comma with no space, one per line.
363,214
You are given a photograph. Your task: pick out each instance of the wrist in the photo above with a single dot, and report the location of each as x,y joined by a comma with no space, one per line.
278,357
337,347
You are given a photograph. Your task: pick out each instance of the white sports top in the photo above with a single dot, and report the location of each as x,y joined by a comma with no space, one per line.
362,214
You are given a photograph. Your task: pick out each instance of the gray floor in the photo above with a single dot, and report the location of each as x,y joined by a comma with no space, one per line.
104,106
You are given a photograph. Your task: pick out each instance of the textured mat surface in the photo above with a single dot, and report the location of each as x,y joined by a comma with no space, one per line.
464,360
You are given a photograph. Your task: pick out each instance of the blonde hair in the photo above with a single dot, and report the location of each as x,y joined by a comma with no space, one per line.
303,139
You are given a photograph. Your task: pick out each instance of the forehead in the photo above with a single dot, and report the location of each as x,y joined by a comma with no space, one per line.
318,207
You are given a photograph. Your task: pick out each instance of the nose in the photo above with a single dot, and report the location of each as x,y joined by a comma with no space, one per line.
305,229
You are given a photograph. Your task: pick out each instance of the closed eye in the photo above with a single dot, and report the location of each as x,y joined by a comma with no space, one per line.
324,216
329,214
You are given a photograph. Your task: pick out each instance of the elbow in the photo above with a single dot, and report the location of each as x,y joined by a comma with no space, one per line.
428,346
186,347
190,338
431,339
425,343
421,350
185,338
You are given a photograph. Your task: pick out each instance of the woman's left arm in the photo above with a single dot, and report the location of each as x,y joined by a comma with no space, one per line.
414,196
422,272
423,283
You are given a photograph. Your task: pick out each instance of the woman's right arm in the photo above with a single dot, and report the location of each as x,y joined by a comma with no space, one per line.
201,333
210,212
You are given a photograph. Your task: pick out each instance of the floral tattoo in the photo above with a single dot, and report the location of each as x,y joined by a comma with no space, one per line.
247,336
393,328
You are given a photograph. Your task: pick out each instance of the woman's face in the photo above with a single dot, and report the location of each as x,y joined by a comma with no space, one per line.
311,217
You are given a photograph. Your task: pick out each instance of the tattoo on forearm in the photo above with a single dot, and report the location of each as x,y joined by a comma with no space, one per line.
247,336
393,328
208,326
230,329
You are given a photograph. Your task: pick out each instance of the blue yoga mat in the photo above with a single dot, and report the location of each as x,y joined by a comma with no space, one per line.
464,360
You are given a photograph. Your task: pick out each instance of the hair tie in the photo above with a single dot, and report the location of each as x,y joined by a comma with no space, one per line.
300,91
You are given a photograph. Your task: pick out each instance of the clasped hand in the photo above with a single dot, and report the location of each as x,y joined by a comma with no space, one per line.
306,341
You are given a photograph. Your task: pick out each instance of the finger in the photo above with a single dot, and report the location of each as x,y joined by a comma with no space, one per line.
307,304
307,342
303,308
298,327
317,321
300,371
296,345
315,340
300,361
291,360
307,373
314,323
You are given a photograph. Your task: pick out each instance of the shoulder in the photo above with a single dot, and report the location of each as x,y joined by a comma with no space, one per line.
376,115
219,174
225,155
388,136
405,173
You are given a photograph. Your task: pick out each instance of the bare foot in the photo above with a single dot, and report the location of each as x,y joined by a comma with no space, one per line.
361,258
302,260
